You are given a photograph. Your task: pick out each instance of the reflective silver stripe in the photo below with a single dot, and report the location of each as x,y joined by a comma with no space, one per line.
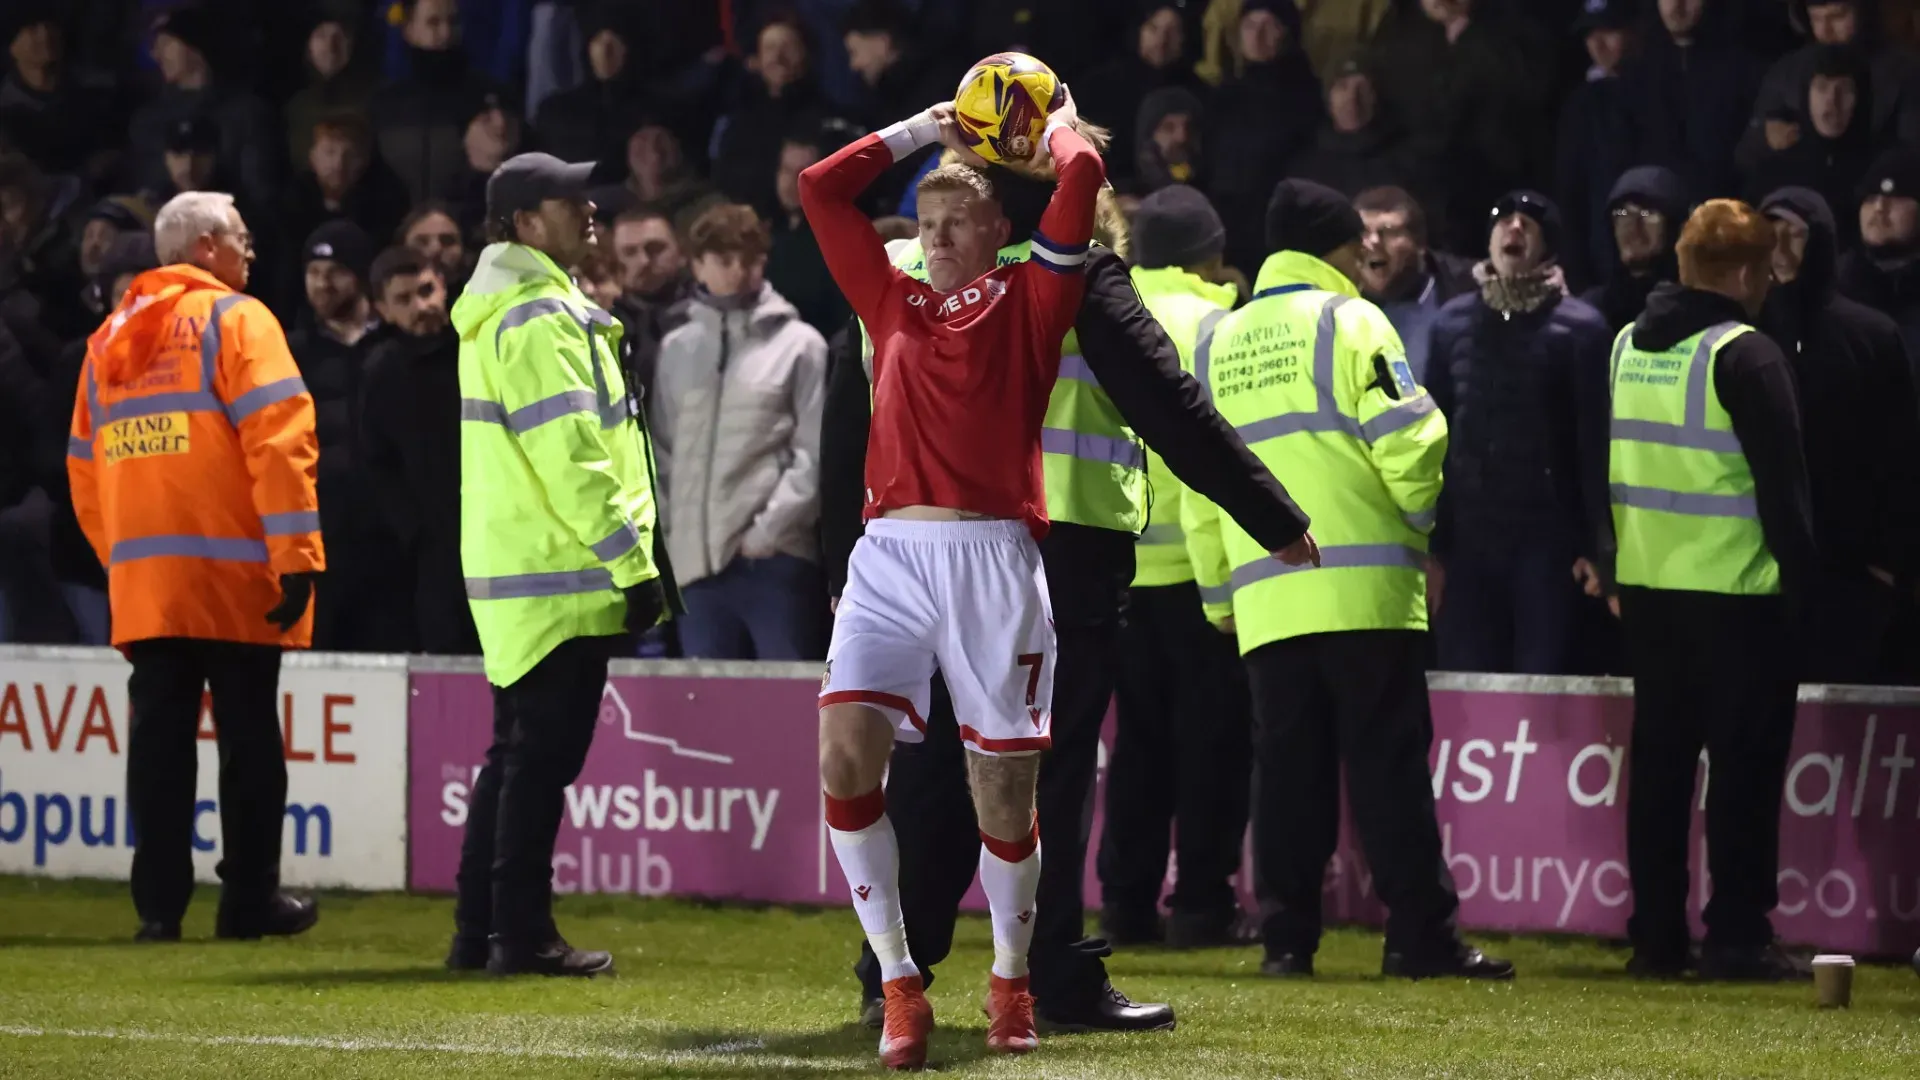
1697,373
1334,557
1163,534
1289,423
1203,350
527,417
79,448
624,539
262,396
224,548
1652,431
1400,416
484,411
610,412
210,340
556,583
522,314
1692,433
1422,519
1102,448
1216,594
155,404
1323,356
1691,504
291,523
1074,366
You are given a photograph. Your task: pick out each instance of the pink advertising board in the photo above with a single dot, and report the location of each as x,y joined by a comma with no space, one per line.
702,782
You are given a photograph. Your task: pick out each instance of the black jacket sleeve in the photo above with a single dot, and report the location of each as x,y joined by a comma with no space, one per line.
383,406
1892,419
843,454
1139,369
1756,385
1590,397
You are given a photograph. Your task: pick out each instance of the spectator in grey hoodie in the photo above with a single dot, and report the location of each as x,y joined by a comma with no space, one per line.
736,434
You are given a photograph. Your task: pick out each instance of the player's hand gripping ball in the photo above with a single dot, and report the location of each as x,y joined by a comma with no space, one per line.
1003,103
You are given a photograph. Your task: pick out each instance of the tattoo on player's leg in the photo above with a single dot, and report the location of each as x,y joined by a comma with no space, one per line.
1003,793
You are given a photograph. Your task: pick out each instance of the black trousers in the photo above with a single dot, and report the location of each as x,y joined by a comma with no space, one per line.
1181,758
932,810
1356,698
1514,609
1716,672
164,692
542,727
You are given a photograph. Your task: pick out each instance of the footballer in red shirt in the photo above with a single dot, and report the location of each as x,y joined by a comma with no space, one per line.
948,575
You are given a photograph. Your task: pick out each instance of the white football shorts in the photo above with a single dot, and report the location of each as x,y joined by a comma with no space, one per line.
966,597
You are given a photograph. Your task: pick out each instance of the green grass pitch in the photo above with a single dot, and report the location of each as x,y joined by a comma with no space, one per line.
730,992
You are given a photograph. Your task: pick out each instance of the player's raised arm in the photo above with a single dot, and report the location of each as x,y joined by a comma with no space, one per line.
1067,225
854,253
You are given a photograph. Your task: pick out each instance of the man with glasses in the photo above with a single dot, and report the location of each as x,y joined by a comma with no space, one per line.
556,543
191,459
1645,210
1403,276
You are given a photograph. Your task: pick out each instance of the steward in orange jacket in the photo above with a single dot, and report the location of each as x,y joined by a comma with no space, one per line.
192,457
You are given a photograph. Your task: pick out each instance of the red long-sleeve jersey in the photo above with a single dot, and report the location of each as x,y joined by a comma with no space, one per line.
960,379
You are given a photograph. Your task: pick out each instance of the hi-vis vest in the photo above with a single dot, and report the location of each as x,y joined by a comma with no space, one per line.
1316,381
1682,493
556,486
1179,301
1096,470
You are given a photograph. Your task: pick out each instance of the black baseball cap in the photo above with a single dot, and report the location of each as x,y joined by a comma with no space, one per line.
524,181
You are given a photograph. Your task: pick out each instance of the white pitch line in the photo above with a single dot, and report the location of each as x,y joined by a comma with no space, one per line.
714,1052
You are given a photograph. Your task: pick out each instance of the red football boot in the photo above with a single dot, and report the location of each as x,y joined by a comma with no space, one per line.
1010,1016
909,1020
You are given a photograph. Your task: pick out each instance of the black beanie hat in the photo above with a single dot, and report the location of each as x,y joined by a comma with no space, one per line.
192,26
1310,218
1536,206
1176,226
343,242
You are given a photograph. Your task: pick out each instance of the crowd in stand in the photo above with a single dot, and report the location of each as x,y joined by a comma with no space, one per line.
357,138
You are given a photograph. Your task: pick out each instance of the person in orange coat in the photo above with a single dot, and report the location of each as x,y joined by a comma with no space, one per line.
192,458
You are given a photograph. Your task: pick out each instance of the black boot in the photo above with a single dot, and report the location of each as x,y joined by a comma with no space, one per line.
1288,966
1457,961
281,916
1105,1010
1764,963
468,952
1223,929
556,957
158,931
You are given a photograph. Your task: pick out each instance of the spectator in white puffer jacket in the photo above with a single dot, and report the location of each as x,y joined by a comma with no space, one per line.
736,429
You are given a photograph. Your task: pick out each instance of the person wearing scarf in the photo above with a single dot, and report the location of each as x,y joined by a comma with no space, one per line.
1519,367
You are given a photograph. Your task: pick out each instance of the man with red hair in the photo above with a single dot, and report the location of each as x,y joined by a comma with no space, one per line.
1713,560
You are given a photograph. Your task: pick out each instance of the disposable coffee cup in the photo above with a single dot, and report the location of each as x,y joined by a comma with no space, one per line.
1833,980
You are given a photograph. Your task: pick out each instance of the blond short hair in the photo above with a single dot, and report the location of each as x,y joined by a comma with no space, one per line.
953,176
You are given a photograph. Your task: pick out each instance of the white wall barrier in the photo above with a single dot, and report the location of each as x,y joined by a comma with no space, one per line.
63,744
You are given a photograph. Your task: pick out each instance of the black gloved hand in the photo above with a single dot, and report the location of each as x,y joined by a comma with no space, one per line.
296,591
646,603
